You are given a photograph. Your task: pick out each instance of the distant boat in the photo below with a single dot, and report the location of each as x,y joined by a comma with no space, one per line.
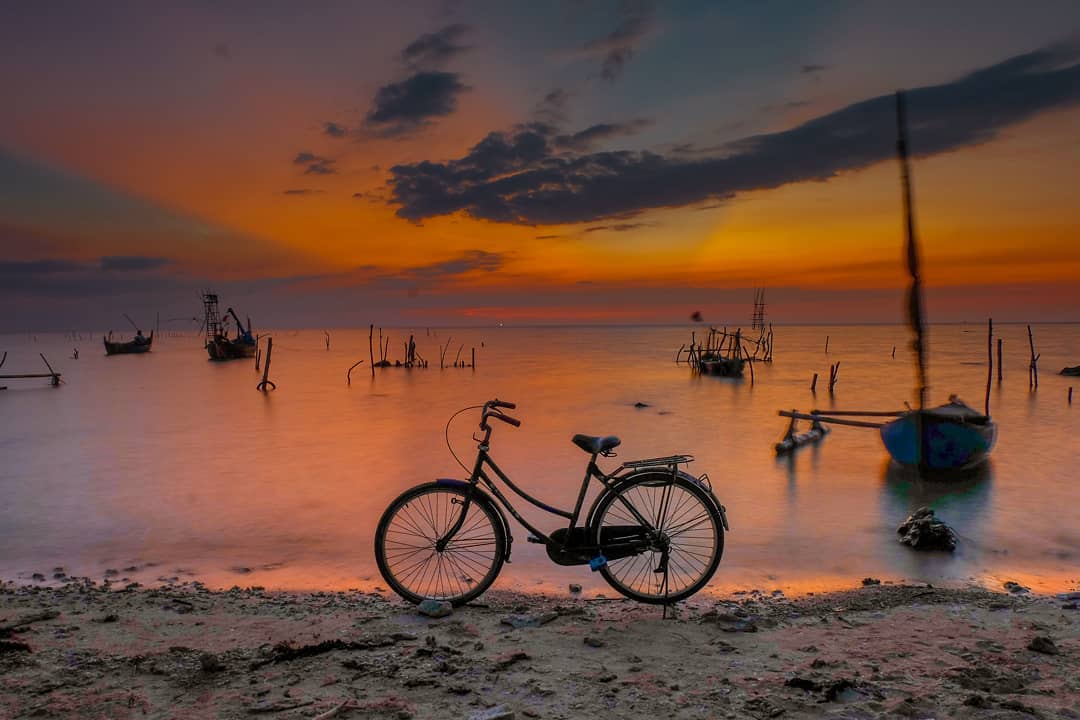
218,344
952,436
139,344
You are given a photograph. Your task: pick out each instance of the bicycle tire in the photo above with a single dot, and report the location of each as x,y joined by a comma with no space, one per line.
691,509
480,549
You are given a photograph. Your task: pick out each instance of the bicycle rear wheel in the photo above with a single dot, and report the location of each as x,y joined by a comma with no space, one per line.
406,545
690,537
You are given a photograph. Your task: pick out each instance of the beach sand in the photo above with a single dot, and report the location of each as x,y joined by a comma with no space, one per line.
84,650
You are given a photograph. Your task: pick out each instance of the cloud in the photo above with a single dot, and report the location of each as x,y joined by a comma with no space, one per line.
332,129
637,19
434,50
222,51
302,191
316,164
16,268
617,227
590,136
518,177
552,108
403,107
133,262
809,69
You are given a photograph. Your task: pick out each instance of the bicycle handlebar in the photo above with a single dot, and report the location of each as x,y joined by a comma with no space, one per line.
497,403
506,419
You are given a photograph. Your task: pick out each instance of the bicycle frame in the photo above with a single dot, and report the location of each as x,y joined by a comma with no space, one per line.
483,459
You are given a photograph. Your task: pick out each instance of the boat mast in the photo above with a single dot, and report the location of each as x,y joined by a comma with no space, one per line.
915,295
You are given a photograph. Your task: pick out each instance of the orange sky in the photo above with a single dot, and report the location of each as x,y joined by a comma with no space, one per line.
215,149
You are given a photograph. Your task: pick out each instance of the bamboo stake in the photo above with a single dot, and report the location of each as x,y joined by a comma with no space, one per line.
989,364
999,361
813,384
266,368
348,375
1033,368
55,376
826,344
371,352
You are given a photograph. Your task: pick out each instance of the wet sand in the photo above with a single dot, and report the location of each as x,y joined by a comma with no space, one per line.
84,650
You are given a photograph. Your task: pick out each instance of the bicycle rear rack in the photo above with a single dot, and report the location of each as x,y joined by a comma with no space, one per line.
668,462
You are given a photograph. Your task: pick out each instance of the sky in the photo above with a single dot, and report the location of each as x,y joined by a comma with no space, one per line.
335,164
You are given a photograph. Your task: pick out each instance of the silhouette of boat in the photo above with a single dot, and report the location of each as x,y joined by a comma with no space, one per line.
218,344
951,436
139,344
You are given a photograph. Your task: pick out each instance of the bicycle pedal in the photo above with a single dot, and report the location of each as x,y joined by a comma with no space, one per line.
534,540
597,562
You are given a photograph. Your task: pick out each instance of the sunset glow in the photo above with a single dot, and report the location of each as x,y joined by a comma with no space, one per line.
402,170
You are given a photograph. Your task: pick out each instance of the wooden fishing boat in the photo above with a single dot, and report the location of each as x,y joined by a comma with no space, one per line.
722,366
952,436
139,344
949,437
219,346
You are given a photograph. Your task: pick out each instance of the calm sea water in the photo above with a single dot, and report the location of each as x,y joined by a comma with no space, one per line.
178,466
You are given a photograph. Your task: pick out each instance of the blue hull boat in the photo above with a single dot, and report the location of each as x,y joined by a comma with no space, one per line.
950,437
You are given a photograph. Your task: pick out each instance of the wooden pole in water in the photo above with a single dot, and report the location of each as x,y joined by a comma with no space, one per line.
989,363
1070,395
1033,369
348,375
474,358
266,368
826,344
999,361
371,352
55,377
813,384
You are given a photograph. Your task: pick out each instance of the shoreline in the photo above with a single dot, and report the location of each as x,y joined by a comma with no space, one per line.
182,651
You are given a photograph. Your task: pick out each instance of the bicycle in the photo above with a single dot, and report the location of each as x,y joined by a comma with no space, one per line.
655,533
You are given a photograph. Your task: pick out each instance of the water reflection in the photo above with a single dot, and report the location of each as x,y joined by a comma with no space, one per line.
965,494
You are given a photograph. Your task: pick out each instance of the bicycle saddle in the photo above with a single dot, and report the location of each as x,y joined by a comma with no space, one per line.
594,445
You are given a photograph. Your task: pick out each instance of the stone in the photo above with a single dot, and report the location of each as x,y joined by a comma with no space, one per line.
922,531
526,621
1043,644
594,642
868,581
575,588
499,712
434,608
640,405
1015,588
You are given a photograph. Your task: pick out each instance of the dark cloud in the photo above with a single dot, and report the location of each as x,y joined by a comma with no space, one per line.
316,164
110,275
17,268
518,177
808,69
302,191
548,237
636,20
433,50
222,51
617,227
402,107
590,136
133,262
334,130
552,108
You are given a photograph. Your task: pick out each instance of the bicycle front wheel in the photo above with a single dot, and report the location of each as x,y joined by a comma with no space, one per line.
407,551
689,537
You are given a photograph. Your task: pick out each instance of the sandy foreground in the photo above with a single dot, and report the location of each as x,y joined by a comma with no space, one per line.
86,651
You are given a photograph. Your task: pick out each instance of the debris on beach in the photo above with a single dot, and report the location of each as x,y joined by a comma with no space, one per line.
922,531
434,608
